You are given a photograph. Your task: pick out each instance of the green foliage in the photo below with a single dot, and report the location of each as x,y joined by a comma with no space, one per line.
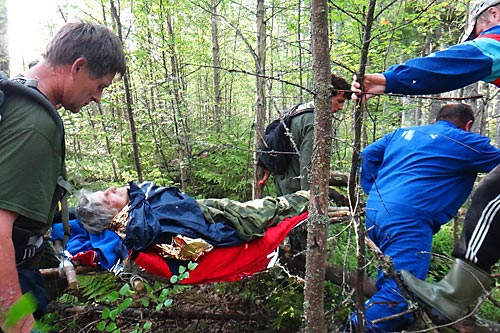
183,272
171,76
108,322
142,328
440,264
24,306
342,248
275,295
225,170
99,288
169,59
442,246
48,323
116,297
489,310
68,299
279,296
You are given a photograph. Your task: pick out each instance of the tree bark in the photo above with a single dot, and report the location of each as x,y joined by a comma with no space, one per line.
353,188
128,96
217,121
178,104
317,227
260,104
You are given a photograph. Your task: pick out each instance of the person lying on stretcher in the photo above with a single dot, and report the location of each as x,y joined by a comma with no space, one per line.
146,214
153,219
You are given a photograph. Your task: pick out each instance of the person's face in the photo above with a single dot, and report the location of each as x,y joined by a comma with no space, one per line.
113,198
83,88
338,102
481,25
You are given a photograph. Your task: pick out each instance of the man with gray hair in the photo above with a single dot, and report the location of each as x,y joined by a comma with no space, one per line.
79,63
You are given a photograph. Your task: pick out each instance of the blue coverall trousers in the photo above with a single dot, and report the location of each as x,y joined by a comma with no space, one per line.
407,239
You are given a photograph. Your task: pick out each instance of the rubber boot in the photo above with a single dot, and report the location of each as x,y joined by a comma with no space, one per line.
455,296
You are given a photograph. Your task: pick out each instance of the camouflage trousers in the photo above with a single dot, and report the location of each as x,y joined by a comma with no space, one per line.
252,218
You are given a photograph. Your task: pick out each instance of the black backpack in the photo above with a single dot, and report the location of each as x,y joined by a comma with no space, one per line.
276,149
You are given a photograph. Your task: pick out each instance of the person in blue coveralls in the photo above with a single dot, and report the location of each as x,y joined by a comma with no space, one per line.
475,59
416,179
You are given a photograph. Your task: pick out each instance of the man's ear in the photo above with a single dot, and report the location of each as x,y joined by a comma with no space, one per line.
77,65
494,12
468,125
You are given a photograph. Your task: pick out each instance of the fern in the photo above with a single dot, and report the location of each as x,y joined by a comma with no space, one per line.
99,288
69,299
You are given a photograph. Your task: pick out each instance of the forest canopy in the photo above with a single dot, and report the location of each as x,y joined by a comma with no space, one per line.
186,114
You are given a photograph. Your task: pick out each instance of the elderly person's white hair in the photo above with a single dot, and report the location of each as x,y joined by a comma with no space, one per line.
93,215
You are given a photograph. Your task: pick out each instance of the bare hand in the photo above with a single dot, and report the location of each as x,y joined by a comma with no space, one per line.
373,84
265,178
355,88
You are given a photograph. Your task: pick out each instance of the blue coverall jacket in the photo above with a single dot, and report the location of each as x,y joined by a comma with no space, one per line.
416,179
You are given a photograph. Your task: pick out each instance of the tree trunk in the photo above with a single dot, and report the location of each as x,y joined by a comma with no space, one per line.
128,96
318,209
152,110
353,188
108,144
217,121
300,38
260,104
178,105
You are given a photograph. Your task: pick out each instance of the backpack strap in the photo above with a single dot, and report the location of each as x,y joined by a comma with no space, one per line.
61,182
28,87
295,111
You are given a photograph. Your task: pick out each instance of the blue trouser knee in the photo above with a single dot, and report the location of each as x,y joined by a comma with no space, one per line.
408,241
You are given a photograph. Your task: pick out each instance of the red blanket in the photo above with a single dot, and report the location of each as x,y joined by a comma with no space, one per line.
228,263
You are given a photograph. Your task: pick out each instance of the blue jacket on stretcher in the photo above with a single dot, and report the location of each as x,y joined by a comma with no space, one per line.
158,213
450,69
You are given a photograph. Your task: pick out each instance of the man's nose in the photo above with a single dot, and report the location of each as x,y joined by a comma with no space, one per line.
97,96
110,189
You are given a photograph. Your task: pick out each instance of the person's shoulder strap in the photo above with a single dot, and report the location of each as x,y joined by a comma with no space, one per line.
61,182
27,87
296,110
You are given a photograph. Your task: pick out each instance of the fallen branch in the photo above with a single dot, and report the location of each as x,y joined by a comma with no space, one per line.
53,273
334,273
338,179
66,268
170,313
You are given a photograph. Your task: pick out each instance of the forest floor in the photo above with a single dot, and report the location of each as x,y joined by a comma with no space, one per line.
205,308
231,307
